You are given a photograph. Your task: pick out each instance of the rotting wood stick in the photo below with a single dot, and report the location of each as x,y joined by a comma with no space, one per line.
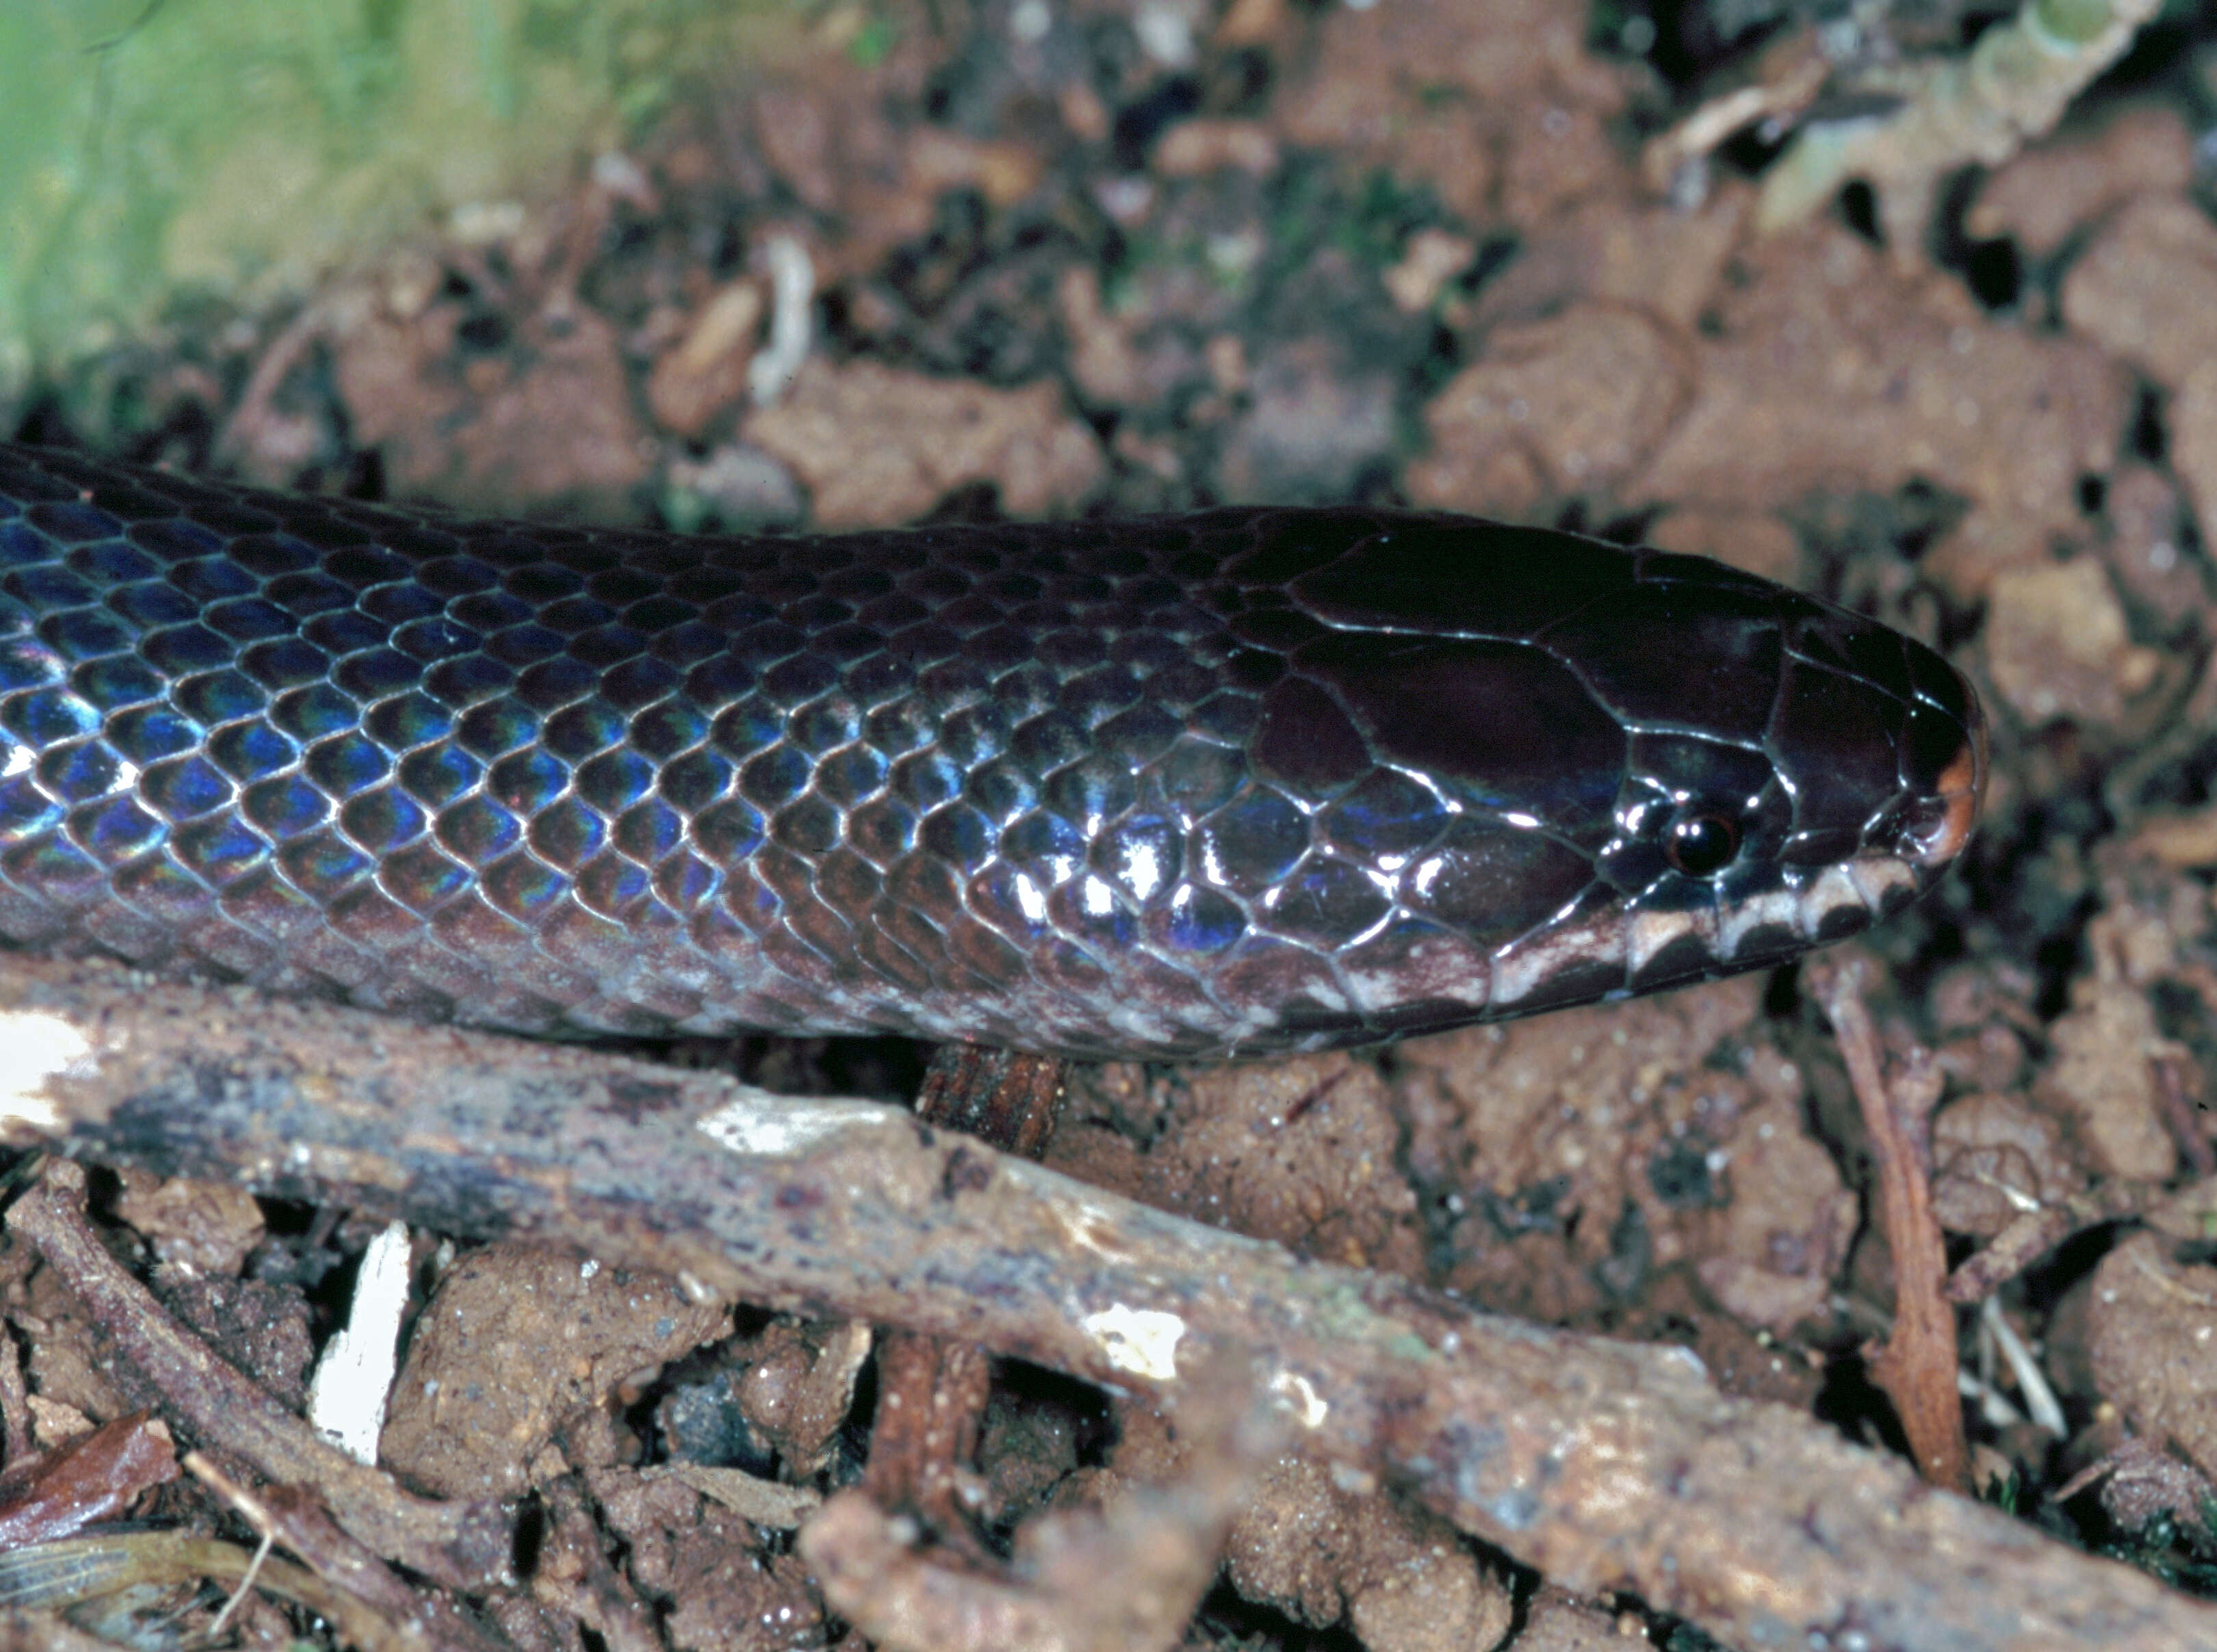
1607,1466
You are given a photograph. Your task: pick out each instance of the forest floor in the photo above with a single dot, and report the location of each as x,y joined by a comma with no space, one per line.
1085,259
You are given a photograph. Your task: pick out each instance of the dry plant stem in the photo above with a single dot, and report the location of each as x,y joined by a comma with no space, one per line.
2033,1234
1789,79
95,1567
1916,1367
296,1519
459,1544
240,1590
1604,1465
245,431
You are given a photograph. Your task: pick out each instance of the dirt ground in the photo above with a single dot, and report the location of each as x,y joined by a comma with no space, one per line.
1083,258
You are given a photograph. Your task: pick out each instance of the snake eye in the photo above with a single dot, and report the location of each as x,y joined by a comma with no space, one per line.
1700,842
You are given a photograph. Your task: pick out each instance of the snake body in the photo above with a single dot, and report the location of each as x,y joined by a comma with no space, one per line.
1247,780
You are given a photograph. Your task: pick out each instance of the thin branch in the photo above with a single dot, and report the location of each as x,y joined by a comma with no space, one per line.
1916,1367
1607,1466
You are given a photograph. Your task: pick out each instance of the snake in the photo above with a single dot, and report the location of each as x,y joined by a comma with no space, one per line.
1237,782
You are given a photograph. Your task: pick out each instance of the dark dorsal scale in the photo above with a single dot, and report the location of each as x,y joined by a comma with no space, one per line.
1230,783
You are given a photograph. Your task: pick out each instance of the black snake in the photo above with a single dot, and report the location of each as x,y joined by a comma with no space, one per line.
1245,781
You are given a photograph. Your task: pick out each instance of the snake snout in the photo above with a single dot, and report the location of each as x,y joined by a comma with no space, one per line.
1944,769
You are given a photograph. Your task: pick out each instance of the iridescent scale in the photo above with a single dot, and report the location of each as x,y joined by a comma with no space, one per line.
1244,781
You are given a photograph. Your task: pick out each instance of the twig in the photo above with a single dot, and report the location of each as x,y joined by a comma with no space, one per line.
244,1587
2039,1400
932,1395
245,436
460,1544
1791,83
1607,1466
769,1503
2033,1234
282,1514
1916,1367
91,1567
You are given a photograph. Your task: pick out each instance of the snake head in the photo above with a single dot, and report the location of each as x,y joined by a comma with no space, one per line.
1582,772
1820,772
